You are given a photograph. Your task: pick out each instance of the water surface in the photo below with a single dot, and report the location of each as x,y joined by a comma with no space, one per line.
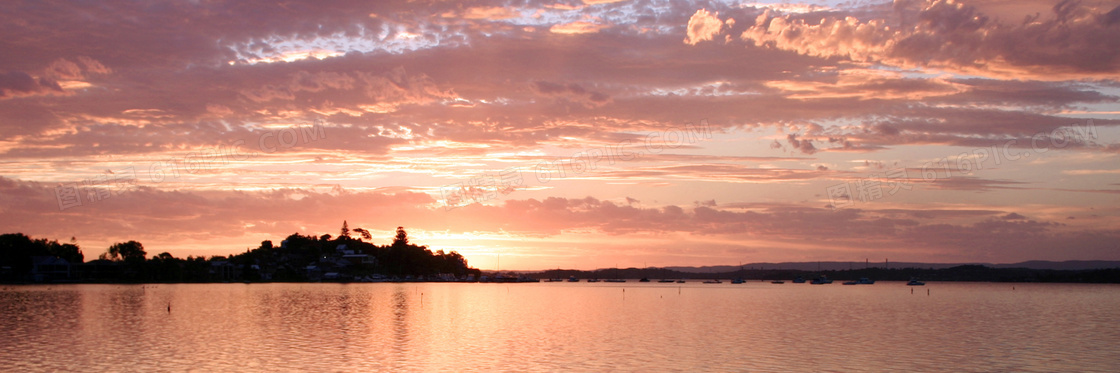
561,326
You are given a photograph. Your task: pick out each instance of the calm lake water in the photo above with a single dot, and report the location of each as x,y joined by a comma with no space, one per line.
631,326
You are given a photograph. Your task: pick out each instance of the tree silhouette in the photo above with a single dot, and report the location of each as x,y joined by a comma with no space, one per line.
69,251
345,232
364,233
130,251
401,239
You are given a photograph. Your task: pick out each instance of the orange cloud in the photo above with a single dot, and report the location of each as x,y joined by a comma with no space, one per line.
577,27
703,26
956,36
491,13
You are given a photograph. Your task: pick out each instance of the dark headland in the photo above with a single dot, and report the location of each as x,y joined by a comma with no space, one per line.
352,257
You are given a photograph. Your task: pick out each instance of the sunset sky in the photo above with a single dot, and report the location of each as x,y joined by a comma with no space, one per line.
559,133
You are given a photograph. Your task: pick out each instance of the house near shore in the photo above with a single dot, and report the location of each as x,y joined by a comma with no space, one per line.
49,269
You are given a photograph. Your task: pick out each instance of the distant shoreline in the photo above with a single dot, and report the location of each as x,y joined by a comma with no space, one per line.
960,273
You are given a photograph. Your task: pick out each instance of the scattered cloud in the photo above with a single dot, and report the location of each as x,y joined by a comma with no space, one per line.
409,97
577,27
703,26
18,83
956,36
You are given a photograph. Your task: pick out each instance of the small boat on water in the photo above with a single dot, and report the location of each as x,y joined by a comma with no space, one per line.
614,280
738,281
861,281
573,279
713,282
499,277
664,280
915,282
799,280
777,282
821,280
506,278
681,281
644,280
592,280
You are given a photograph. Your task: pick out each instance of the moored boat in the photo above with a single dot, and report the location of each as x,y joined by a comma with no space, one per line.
821,280
861,281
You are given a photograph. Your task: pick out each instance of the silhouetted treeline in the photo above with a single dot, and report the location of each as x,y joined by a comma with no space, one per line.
303,258
348,257
20,255
351,256
976,273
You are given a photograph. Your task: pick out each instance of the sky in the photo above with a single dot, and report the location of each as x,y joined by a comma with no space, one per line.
570,134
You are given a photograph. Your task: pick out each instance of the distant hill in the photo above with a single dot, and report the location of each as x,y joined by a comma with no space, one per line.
1066,265
840,266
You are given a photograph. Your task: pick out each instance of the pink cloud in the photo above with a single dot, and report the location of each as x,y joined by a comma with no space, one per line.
415,96
703,26
577,27
954,35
